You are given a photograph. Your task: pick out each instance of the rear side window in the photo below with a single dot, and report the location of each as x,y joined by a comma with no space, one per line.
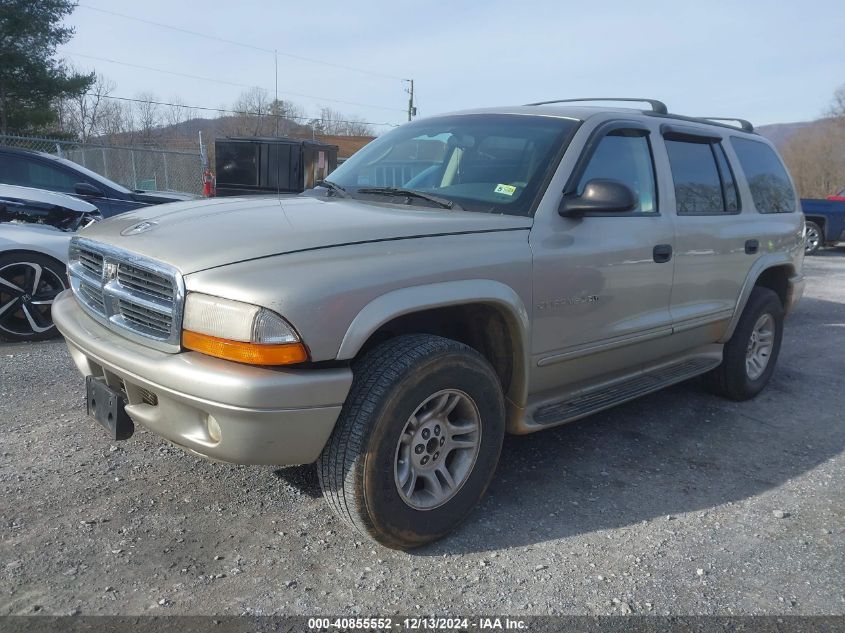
704,183
767,178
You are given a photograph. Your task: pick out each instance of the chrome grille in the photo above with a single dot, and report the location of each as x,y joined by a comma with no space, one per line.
145,320
91,261
144,281
136,297
93,296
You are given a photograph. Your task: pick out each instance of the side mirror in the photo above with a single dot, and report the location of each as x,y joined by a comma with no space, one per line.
602,195
87,189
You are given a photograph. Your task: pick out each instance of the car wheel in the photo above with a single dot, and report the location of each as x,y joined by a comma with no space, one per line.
813,237
28,284
749,357
417,441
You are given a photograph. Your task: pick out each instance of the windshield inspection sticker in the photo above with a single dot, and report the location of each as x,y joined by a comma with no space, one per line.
505,189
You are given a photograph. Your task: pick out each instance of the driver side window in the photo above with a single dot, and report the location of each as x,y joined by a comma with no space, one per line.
625,156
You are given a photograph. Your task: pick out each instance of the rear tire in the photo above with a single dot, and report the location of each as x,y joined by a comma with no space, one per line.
28,284
814,237
421,407
749,357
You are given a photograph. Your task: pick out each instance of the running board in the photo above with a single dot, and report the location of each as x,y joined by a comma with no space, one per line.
594,400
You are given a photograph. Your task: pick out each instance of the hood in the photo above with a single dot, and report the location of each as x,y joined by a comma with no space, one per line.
47,198
193,236
35,206
160,197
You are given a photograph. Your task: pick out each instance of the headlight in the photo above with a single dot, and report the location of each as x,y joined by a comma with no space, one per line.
239,331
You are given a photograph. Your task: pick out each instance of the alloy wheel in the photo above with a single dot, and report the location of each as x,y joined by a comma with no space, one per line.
437,449
812,239
27,290
760,346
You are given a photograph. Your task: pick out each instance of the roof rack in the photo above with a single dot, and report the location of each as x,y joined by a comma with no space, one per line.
744,125
656,106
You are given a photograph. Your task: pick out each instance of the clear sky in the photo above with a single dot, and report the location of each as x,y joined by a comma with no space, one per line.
770,61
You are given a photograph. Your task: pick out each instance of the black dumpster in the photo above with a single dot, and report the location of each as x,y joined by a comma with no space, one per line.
253,165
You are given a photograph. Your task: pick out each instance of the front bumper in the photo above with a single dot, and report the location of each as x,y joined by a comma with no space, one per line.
214,408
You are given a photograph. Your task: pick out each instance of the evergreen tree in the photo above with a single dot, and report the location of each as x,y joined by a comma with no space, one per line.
32,80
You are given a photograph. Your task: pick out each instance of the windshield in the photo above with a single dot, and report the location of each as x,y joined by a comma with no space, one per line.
481,162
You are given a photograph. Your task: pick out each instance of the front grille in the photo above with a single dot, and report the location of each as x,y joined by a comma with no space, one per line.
93,296
137,297
145,281
91,261
145,320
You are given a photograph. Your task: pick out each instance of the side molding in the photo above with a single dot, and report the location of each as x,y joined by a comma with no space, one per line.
403,301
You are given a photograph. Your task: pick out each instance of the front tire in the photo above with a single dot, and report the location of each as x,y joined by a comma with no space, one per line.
813,237
417,441
749,357
28,284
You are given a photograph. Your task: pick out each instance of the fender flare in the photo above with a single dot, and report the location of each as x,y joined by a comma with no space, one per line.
769,260
402,301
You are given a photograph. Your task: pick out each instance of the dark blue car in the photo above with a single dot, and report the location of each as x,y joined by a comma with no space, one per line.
45,171
825,222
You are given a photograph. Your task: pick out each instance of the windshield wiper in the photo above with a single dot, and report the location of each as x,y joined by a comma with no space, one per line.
332,187
410,193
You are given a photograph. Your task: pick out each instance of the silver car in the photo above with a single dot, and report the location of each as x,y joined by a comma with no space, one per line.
507,269
35,229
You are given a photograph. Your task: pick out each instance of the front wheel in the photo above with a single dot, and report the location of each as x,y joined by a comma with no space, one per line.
813,237
28,284
417,442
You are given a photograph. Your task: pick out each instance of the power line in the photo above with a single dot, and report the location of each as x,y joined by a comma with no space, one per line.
229,111
228,83
242,44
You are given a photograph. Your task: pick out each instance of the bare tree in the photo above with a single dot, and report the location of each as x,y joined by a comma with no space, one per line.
334,122
816,158
116,120
176,114
288,117
253,108
83,115
837,105
148,115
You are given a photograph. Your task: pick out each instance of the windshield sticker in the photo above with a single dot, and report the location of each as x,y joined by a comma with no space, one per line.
507,190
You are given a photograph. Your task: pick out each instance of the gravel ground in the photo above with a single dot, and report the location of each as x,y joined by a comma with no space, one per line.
678,503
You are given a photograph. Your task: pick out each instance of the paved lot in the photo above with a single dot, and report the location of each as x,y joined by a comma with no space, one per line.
666,505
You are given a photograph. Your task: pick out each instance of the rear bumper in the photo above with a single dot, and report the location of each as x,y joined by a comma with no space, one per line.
214,408
795,290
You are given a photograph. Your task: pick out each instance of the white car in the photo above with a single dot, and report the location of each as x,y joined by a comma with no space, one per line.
35,228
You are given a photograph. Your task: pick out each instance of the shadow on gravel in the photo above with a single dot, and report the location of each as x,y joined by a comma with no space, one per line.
675,451
303,478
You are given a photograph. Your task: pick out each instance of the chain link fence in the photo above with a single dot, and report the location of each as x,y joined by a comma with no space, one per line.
133,167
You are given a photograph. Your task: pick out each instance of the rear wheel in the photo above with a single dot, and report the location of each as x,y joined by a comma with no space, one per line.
750,355
417,441
28,284
813,237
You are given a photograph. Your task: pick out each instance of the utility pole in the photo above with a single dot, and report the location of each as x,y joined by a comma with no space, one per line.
412,109
276,95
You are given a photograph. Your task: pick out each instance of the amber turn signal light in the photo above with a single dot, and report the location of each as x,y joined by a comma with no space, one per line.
240,352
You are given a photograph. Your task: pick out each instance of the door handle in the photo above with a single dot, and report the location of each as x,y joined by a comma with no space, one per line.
751,247
662,253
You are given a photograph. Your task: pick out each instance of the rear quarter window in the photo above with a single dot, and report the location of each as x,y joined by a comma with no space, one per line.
770,186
